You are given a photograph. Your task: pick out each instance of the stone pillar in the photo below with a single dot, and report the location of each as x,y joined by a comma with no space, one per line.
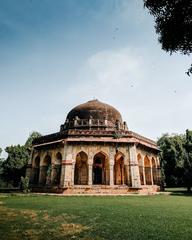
123,174
90,174
42,175
33,175
135,176
111,182
53,174
66,170
151,173
62,175
72,174
111,164
144,178
28,171
127,174
66,173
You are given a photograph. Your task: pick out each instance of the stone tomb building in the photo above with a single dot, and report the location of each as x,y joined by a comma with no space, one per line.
94,152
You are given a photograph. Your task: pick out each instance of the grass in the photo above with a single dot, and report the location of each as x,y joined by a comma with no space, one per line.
121,217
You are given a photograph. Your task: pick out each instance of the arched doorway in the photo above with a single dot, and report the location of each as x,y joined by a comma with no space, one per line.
81,169
57,169
36,170
154,171
119,170
141,168
100,169
46,170
147,171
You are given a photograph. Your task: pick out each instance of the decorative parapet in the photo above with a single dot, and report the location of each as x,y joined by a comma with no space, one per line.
92,124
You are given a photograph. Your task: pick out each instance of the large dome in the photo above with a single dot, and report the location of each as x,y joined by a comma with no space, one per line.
96,110
93,115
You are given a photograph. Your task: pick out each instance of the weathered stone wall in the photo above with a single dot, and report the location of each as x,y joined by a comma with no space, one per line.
149,166
123,164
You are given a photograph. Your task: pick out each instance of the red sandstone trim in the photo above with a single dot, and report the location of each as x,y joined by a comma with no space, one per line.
67,162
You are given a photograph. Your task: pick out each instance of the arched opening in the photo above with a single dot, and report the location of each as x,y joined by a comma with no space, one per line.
36,170
141,168
154,171
46,170
158,172
57,169
119,169
100,169
81,169
147,171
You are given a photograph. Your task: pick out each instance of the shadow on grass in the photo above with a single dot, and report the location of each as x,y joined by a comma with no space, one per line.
179,192
10,190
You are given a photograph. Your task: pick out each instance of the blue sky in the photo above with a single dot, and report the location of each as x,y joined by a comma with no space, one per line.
57,54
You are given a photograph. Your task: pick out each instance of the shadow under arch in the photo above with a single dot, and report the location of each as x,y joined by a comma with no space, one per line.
119,169
154,170
57,169
100,168
147,171
46,170
81,169
141,168
36,170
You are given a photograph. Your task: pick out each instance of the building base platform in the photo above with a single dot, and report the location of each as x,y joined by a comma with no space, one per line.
97,190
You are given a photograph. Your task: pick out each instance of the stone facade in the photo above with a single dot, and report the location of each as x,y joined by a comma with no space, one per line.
94,152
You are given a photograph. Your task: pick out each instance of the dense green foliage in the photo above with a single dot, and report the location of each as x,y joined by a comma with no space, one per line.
14,166
172,158
173,21
31,137
25,184
1,168
176,159
188,161
96,218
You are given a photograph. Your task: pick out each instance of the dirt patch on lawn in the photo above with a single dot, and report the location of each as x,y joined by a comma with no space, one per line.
28,214
33,225
72,229
6,213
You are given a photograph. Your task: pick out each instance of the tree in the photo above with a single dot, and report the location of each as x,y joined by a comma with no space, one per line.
1,159
173,21
31,137
172,158
1,166
14,166
188,161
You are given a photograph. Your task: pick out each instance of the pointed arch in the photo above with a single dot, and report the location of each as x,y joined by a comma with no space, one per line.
46,170
147,165
141,168
119,169
100,168
58,158
81,169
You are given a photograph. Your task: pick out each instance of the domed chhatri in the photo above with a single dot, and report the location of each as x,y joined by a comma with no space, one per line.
94,152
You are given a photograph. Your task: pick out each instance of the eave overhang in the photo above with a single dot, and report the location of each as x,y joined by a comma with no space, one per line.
95,136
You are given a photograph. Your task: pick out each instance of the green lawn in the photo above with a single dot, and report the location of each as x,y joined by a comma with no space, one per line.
128,217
